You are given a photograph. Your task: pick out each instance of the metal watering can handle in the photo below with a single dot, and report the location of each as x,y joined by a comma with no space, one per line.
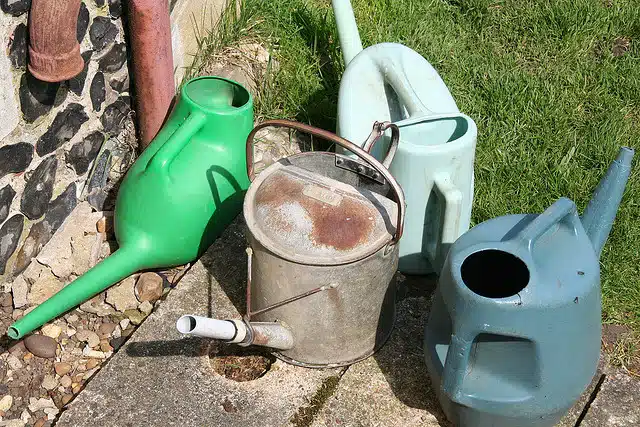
378,129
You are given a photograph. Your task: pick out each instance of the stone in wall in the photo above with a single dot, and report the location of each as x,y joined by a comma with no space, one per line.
76,84
120,81
83,22
39,189
61,207
15,7
10,117
114,59
84,152
38,97
15,158
65,125
115,115
40,233
102,32
96,194
6,197
18,47
9,238
97,91
115,8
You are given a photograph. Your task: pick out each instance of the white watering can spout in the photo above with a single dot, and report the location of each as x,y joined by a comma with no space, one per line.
267,334
347,30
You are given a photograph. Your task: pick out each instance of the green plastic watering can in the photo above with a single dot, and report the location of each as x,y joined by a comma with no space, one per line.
435,157
180,194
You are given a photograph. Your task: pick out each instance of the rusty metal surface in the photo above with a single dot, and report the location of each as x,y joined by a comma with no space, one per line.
335,327
311,219
377,132
54,51
150,31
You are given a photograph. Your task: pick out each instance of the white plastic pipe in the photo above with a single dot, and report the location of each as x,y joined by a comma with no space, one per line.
211,328
347,29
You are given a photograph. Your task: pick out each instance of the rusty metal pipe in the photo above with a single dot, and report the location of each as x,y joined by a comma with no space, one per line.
150,41
54,51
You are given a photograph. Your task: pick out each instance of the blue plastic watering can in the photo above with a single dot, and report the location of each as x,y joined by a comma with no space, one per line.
434,161
513,335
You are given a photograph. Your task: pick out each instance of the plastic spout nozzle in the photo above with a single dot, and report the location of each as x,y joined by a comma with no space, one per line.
267,334
600,213
116,267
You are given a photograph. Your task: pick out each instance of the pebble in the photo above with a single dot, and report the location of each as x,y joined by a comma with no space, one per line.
146,307
90,337
89,374
13,362
62,368
65,381
135,316
117,332
40,422
76,389
6,403
104,346
38,404
122,296
92,363
20,289
12,423
49,382
17,313
88,352
52,331
124,323
25,416
149,287
72,318
51,413
41,345
106,329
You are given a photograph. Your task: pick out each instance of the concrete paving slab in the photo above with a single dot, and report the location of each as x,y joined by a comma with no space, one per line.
617,402
393,387
160,378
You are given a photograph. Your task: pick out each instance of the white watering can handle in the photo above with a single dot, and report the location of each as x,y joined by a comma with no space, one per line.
378,129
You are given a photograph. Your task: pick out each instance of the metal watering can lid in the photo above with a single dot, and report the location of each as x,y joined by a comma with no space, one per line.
306,217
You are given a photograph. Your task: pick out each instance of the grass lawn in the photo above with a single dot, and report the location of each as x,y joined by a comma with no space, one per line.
554,87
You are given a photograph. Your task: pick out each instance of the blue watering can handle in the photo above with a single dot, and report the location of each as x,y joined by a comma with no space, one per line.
455,368
561,209
378,128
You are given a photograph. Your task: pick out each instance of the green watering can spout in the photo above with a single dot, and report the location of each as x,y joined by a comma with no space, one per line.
124,262
178,196
599,214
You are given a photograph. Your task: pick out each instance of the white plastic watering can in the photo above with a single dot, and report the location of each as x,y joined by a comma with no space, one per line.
434,162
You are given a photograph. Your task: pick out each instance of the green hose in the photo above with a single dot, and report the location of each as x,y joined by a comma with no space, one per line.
121,264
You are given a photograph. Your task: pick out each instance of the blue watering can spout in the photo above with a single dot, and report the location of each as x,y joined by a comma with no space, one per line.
598,217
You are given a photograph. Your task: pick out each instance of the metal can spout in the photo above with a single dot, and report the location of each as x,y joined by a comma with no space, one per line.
266,334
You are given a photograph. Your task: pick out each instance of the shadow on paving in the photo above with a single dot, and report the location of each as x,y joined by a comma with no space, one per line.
401,360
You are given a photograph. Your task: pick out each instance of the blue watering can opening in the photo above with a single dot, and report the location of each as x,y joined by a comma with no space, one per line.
493,273
434,132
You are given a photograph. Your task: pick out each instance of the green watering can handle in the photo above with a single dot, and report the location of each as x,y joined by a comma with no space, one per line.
177,141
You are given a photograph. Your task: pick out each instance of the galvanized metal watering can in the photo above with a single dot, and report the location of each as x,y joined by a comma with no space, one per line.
513,336
323,231
179,195
434,162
